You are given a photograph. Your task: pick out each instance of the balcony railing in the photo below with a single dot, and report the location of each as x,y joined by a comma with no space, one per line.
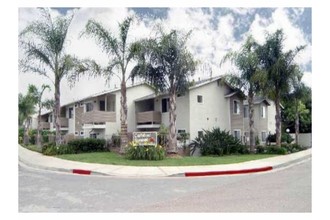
150,117
64,122
98,117
44,125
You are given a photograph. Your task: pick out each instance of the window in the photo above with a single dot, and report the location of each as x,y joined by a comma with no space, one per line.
263,136
237,134
89,107
181,131
93,135
81,133
246,111
263,111
165,104
236,107
50,118
70,112
76,133
200,134
111,103
102,105
200,99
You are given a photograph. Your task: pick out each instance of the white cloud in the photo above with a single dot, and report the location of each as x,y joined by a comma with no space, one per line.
307,79
208,42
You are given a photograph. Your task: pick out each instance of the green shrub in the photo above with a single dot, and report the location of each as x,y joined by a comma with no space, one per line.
20,135
217,142
87,145
276,150
285,137
260,149
33,136
115,140
65,149
144,152
49,149
293,148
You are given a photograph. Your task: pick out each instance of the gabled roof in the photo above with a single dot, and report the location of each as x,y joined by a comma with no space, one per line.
258,100
204,82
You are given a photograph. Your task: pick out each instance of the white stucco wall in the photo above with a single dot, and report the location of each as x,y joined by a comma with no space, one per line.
214,111
133,93
271,117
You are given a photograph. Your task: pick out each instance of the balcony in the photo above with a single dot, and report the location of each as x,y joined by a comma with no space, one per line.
64,122
98,117
149,117
44,125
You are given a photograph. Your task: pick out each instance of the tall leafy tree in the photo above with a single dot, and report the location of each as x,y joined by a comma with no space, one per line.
281,72
166,63
26,108
43,44
37,96
120,53
248,78
295,109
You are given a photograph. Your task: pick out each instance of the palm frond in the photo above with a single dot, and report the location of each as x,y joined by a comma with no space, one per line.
102,36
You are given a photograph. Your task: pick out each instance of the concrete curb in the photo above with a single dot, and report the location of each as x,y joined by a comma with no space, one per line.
251,167
228,172
63,170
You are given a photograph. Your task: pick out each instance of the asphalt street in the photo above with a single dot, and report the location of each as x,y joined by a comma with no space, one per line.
283,190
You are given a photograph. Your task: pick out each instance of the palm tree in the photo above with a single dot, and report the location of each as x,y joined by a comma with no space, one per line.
295,108
37,95
166,63
26,108
120,54
281,72
248,79
43,43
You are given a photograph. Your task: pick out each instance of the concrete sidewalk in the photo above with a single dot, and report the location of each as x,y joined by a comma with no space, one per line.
37,160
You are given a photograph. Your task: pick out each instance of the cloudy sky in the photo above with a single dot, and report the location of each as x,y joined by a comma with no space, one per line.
215,31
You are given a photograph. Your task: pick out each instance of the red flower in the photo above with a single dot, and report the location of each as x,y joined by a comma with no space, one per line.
151,140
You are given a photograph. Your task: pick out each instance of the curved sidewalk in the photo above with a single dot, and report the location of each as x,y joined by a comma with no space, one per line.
37,160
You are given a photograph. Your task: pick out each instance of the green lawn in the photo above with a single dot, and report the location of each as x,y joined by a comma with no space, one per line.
115,159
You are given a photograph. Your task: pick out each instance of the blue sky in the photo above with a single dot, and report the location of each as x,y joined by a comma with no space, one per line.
215,31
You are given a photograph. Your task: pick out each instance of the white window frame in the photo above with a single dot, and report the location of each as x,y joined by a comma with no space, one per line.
240,133
239,106
263,111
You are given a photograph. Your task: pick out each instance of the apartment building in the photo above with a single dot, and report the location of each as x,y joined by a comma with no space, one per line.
207,104
98,115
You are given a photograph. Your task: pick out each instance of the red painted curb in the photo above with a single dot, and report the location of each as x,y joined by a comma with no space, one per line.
227,172
84,172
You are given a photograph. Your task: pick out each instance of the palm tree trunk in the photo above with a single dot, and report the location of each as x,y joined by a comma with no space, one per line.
123,116
172,142
251,121
39,128
297,126
278,121
26,132
57,108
